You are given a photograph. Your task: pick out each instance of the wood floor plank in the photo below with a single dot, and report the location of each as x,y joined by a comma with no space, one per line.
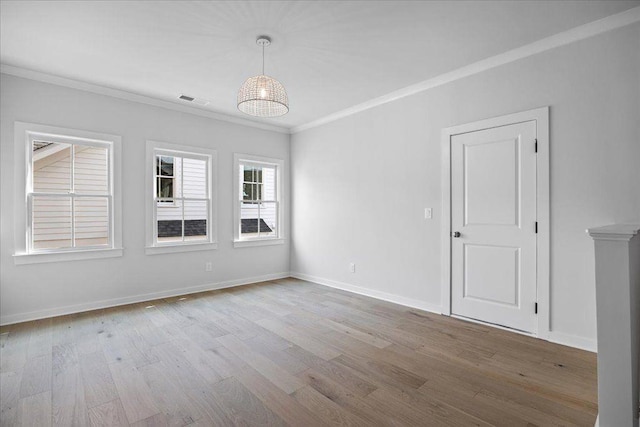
278,376
109,414
36,377
158,420
40,341
9,397
290,334
96,378
169,396
210,405
35,410
69,406
134,393
281,403
285,352
242,407
340,395
325,409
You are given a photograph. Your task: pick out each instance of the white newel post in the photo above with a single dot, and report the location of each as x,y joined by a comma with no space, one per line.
617,250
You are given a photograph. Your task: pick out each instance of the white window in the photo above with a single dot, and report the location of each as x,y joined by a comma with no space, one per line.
258,201
180,197
68,194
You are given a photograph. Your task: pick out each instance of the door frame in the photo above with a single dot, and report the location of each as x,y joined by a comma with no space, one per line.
541,117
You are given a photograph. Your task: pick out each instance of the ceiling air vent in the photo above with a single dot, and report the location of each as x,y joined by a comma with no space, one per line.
198,101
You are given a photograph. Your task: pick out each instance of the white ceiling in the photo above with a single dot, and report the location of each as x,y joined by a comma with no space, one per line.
329,55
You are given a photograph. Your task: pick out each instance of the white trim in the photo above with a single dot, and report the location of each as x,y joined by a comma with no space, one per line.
609,23
574,341
23,132
280,199
258,242
134,97
384,296
581,32
183,247
212,192
541,117
37,258
556,337
623,232
77,308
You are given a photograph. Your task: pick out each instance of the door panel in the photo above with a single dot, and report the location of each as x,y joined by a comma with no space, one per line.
491,273
491,165
493,207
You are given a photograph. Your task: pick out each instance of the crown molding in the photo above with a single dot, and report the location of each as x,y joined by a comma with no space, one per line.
581,32
129,96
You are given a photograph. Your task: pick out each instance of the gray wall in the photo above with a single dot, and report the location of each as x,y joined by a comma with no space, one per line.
360,184
33,290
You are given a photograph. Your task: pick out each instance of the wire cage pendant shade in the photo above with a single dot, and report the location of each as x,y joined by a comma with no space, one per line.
262,95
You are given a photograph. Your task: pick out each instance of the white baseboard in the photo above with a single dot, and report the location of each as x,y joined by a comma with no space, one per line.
573,341
397,299
70,309
553,336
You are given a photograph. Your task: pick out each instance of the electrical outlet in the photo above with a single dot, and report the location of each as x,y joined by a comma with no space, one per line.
208,266
352,267
428,213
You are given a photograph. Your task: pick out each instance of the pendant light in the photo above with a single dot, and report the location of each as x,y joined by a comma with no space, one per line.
263,96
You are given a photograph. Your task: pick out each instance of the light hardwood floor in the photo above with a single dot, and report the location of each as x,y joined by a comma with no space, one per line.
286,352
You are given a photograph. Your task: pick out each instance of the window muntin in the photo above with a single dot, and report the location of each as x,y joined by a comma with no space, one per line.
182,200
258,200
69,194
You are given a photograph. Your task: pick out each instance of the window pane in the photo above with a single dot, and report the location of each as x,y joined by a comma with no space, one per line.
166,166
258,174
91,223
169,216
268,220
269,184
51,167
51,222
195,220
90,170
248,173
248,191
249,219
194,173
165,188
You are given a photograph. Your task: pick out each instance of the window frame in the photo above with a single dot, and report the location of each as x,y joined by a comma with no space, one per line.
24,135
238,240
158,148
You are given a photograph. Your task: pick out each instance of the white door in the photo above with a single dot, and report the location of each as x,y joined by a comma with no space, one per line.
493,208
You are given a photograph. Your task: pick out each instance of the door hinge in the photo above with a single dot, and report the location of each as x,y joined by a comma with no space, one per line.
536,308
536,227
535,145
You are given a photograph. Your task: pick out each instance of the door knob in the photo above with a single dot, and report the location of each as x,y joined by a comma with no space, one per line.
456,234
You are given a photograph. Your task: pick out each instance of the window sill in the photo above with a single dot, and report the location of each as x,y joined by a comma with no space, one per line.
170,249
258,242
38,258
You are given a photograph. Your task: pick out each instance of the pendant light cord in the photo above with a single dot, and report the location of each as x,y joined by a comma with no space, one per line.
263,59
